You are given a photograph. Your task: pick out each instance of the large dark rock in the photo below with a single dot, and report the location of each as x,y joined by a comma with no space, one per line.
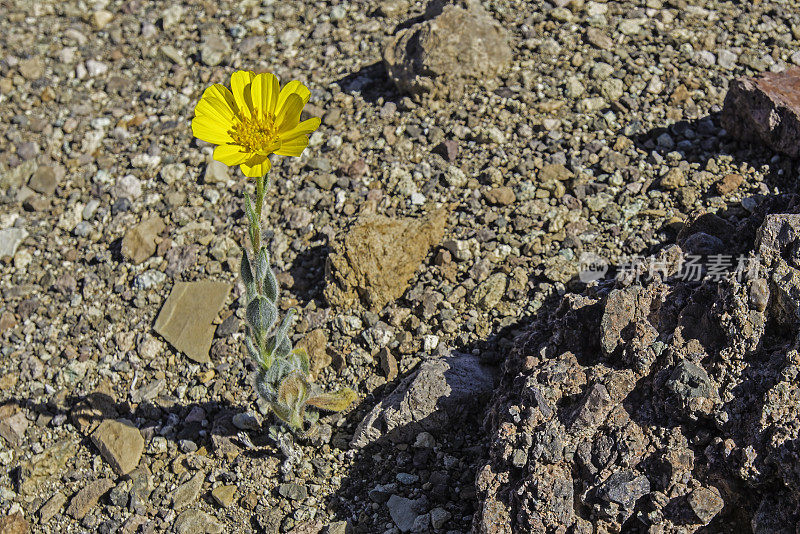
766,109
439,392
655,403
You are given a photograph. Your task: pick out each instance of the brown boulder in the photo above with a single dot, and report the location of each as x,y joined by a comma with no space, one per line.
440,54
376,259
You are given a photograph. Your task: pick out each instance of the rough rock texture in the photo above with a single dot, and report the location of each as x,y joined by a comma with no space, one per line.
87,498
10,238
440,54
766,109
45,465
139,242
440,389
658,402
196,522
120,443
185,319
14,524
378,256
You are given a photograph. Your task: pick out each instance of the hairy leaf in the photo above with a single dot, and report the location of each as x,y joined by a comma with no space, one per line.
333,402
293,390
247,276
252,350
265,389
262,266
286,414
270,285
261,314
300,358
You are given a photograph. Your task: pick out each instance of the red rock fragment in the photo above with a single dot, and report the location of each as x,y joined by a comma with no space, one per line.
766,109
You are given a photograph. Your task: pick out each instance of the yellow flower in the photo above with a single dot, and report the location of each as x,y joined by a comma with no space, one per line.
252,120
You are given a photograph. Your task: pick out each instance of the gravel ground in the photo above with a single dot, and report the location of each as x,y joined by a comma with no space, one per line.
602,135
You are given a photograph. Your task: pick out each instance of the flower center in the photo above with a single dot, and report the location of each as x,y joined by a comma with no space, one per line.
255,133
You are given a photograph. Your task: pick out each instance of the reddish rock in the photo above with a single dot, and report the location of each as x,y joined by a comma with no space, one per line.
448,149
87,498
766,109
729,183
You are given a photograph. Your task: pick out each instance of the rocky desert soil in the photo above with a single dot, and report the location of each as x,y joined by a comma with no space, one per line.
470,154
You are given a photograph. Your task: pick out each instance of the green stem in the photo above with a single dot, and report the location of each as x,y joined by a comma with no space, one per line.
262,184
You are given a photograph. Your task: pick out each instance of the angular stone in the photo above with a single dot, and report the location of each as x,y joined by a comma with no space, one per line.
224,495
196,522
625,488
594,408
101,18
10,238
776,234
148,391
729,183
185,319
424,401
440,54
53,506
501,196
388,364
403,512
448,150
618,314
377,258
90,411
87,498
120,443
13,427
295,492
490,291
766,109
216,173
14,524
139,242
599,39
187,492
338,527
43,180
706,503
32,68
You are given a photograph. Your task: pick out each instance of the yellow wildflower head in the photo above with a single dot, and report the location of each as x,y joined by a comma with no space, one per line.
253,119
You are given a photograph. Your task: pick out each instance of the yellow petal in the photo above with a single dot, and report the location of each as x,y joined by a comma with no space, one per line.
239,82
289,114
218,101
293,87
231,154
264,92
256,167
210,109
211,131
304,128
293,147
